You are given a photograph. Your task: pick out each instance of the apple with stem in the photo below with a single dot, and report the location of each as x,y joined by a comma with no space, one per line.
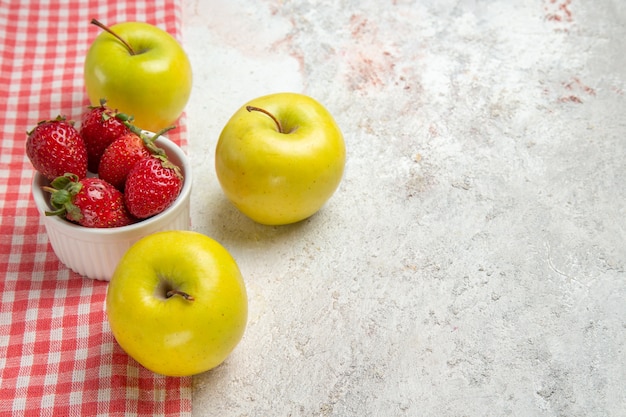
141,70
280,157
177,303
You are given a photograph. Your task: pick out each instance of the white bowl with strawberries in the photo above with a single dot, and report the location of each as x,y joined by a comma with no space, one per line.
103,186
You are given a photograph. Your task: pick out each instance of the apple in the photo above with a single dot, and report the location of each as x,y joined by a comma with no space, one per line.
280,157
177,303
140,70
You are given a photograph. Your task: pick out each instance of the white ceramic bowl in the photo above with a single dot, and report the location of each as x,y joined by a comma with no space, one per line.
95,253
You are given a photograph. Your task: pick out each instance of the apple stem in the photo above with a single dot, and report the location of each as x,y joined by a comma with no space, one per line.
278,125
107,29
183,294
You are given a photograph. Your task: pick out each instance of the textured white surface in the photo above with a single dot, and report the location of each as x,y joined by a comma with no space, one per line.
472,263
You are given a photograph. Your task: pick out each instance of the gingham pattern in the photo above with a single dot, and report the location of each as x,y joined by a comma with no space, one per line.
57,354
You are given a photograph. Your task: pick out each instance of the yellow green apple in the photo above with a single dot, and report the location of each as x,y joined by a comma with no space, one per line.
280,157
177,303
140,70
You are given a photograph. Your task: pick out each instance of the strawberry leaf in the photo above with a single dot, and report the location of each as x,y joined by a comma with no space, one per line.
61,182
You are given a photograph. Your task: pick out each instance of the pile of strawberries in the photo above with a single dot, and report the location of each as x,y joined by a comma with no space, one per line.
135,179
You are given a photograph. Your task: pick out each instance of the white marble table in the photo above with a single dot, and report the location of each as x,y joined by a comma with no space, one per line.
472,263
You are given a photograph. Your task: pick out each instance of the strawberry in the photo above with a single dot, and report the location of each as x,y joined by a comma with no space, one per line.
152,186
121,155
55,147
100,126
90,202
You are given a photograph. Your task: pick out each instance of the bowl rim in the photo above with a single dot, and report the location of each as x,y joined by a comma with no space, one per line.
172,150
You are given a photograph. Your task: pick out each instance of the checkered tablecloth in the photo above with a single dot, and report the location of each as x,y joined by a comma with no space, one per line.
57,354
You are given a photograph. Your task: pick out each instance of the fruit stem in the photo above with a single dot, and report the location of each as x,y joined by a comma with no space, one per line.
171,293
107,29
162,132
278,125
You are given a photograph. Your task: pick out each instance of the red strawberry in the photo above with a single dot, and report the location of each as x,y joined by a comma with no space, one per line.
90,202
121,155
99,127
55,147
152,186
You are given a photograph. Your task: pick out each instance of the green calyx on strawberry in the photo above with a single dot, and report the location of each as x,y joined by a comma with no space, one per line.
149,140
62,191
90,202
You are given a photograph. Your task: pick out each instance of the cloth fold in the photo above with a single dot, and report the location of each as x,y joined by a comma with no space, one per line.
57,354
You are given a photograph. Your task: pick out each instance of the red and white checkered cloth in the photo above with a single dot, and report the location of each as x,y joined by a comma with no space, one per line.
57,354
